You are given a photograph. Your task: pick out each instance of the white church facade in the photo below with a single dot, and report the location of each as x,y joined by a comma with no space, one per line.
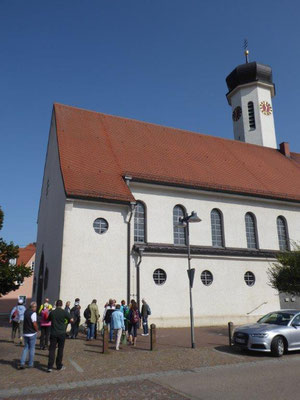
114,189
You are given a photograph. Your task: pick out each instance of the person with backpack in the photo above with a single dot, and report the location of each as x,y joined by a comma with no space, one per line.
145,312
75,315
92,320
45,325
17,319
107,318
134,318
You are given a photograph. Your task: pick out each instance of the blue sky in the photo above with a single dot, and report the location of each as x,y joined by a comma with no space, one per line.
162,61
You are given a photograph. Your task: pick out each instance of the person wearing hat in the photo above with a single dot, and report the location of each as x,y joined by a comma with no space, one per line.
17,319
75,314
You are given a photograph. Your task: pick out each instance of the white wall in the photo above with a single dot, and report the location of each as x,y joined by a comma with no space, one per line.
51,218
94,265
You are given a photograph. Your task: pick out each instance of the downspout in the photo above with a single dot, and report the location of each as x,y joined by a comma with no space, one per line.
131,210
138,279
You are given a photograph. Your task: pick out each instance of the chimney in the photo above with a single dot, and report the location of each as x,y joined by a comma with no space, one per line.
285,149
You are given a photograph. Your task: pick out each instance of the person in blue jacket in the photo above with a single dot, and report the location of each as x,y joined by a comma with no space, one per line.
117,319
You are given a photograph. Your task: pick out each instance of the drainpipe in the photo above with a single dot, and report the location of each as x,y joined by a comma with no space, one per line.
131,210
140,253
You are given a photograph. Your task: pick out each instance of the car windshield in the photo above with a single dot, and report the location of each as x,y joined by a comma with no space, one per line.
276,318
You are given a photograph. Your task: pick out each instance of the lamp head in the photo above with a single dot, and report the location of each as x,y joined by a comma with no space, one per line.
194,217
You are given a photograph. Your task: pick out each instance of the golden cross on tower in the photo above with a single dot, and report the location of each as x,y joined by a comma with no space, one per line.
246,50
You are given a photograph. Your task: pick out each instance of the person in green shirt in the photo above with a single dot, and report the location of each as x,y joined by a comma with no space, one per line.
92,321
59,319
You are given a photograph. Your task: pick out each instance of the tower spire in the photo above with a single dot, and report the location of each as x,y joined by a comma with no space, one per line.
246,50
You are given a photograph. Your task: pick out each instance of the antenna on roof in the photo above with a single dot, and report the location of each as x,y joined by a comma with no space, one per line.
246,50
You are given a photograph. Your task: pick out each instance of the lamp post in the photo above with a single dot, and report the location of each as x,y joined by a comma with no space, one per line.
184,223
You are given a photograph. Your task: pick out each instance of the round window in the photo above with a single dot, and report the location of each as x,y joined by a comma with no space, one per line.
207,278
159,276
100,225
249,278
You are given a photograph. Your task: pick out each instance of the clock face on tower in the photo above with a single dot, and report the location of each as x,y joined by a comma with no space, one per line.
265,108
237,113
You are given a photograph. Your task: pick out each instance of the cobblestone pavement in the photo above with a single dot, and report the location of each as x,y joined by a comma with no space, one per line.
121,374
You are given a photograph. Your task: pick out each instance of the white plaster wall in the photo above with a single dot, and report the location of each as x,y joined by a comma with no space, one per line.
94,266
264,134
234,208
51,218
228,298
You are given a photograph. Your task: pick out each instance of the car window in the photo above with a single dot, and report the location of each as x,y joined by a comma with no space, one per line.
296,320
276,318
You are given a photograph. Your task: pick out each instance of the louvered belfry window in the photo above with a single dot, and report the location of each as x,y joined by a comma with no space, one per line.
251,115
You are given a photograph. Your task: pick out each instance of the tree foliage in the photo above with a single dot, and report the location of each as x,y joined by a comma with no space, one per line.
11,275
284,275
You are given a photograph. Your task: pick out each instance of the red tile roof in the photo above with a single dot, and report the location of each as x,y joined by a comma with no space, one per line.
97,150
25,253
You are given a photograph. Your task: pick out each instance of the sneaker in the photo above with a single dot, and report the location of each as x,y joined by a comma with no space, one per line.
49,370
61,368
21,366
146,334
143,334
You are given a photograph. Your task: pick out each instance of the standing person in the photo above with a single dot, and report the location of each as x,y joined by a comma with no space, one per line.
30,329
117,319
17,319
92,321
145,312
75,315
68,309
58,318
45,325
134,318
107,318
125,310
45,304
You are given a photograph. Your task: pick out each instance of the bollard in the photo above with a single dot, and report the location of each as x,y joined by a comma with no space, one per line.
152,337
105,340
230,328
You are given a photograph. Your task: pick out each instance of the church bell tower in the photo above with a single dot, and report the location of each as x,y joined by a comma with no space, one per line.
250,92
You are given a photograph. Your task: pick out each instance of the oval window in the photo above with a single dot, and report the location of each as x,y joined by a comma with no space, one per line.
207,278
100,225
249,278
159,276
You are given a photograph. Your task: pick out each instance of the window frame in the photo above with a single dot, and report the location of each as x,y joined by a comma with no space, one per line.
287,237
255,231
166,276
212,277
254,278
145,222
222,227
251,110
100,218
184,229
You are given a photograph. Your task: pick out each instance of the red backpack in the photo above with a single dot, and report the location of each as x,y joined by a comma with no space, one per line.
135,317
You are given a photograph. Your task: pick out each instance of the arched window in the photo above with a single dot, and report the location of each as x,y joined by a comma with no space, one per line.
139,223
282,234
251,234
179,232
217,228
251,115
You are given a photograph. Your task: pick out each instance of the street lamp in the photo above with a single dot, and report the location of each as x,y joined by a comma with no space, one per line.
184,223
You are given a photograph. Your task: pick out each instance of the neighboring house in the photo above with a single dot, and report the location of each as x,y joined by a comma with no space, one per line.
7,302
114,189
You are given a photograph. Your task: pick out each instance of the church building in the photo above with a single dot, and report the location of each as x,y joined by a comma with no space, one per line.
114,190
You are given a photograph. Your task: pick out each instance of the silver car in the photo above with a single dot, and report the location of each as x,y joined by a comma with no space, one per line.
276,332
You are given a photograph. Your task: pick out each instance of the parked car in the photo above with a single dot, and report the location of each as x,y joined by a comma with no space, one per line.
276,332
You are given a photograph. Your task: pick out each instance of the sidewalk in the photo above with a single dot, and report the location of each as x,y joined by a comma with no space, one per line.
87,367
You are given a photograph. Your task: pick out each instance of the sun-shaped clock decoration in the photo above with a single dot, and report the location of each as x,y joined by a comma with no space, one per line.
265,108
236,113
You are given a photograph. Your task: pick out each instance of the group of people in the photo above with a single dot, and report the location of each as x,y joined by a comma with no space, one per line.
53,322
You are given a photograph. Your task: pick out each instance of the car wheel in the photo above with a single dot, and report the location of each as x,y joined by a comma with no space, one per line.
277,346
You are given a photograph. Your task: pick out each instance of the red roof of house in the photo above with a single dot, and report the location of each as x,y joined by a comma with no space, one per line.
25,253
97,150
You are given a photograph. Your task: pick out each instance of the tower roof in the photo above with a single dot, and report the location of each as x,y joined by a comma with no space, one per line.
248,73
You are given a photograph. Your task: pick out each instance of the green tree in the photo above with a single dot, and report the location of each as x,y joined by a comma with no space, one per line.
11,275
284,275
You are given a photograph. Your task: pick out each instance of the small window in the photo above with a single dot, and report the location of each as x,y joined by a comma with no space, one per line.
249,278
251,116
179,232
216,228
282,234
252,242
159,276
207,278
100,225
